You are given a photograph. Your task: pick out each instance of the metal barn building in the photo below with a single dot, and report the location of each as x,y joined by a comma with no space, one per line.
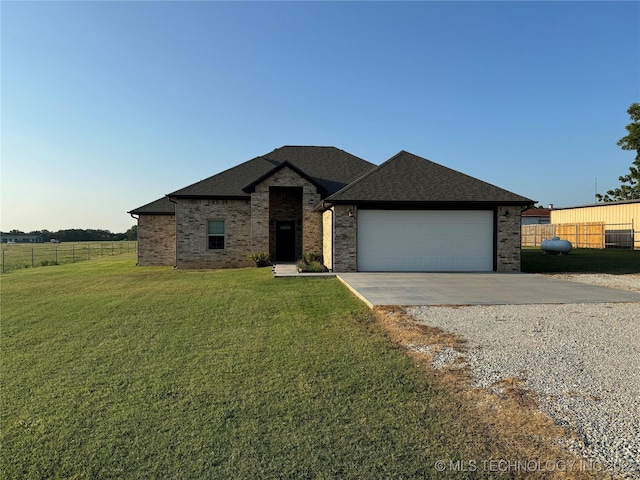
618,223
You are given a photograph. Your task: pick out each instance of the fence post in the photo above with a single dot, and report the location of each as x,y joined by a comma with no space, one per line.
56,254
73,253
3,260
33,263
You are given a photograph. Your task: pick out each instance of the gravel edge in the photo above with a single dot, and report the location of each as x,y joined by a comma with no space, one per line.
581,360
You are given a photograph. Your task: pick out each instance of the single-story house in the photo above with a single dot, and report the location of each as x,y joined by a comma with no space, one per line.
407,214
19,238
536,216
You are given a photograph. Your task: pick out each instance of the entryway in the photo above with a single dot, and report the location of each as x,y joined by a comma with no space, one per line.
285,241
285,223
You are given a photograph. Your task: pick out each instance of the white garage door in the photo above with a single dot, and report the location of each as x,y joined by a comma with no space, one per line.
425,240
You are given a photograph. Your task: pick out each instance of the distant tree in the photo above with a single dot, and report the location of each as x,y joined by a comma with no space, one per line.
631,191
80,235
132,233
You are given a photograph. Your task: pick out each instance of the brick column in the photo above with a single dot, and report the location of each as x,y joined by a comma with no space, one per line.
345,238
508,238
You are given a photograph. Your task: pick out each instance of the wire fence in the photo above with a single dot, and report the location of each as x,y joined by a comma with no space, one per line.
584,235
19,256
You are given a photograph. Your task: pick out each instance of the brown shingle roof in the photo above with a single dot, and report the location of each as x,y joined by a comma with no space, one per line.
162,206
537,212
407,178
328,167
228,183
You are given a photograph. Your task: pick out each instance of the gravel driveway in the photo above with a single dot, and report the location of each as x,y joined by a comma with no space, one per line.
583,360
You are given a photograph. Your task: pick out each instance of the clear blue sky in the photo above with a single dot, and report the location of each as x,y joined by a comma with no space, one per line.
107,106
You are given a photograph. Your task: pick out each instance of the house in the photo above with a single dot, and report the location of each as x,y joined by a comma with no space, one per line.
12,238
408,214
537,216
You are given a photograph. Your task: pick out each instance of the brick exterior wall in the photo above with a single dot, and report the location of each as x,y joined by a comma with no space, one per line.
345,238
156,240
262,222
192,247
508,238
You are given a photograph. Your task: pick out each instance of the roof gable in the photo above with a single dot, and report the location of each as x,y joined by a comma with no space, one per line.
408,178
330,167
252,186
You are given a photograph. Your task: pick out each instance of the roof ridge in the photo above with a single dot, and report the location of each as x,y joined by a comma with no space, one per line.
395,181
367,174
357,180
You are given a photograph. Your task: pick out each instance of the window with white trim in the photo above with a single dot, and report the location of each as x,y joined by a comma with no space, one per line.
216,233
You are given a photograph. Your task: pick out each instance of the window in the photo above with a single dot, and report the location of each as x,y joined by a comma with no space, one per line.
216,233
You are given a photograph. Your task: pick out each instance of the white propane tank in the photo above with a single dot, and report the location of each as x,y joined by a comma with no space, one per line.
555,245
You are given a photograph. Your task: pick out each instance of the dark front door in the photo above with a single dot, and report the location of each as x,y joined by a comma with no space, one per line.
285,241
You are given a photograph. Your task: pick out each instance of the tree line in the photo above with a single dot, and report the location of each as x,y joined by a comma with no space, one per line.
82,235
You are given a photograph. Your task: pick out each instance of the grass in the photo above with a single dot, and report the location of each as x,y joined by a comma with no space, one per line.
582,260
116,371
32,255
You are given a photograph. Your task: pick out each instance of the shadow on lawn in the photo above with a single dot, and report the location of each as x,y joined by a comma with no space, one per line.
582,260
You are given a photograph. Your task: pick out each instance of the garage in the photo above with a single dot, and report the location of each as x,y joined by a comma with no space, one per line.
425,240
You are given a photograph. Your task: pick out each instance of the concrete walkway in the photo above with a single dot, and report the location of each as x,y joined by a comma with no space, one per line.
289,270
476,289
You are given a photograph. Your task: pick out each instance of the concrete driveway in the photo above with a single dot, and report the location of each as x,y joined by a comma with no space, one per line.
476,289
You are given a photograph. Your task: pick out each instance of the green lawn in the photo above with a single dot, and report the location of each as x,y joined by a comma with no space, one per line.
581,260
116,371
32,255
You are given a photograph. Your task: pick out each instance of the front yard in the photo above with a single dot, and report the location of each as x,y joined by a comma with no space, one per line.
116,371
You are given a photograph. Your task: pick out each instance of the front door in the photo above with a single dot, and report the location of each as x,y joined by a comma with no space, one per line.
285,241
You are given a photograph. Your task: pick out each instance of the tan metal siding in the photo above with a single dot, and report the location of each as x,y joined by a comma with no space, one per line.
609,214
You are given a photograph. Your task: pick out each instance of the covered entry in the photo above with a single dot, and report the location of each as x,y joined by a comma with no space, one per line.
425,240
285,223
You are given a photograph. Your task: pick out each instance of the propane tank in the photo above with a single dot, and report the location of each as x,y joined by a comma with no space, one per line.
555,245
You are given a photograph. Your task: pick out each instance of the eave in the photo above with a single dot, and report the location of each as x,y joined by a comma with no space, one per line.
414,205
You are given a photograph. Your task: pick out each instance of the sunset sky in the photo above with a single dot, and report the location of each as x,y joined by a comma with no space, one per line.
107,106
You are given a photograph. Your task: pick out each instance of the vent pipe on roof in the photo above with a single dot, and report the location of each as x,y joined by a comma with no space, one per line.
551,206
